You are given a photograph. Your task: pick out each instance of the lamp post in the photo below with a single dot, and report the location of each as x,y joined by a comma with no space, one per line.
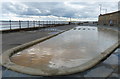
70,21
100,8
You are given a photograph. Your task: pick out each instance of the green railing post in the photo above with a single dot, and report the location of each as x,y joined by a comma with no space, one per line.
28,24
19,24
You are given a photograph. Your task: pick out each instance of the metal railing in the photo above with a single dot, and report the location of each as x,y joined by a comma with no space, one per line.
9,25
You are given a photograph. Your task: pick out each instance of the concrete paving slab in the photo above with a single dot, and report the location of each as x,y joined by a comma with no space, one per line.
114,60
114,75
107,68
101,71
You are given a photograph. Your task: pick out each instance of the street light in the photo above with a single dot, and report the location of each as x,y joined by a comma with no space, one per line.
100,8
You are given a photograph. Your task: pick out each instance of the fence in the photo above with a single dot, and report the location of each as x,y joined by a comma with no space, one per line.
9,25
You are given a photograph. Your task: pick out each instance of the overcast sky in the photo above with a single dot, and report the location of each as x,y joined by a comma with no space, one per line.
55,10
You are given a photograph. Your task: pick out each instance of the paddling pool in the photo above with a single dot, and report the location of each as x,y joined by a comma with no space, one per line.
72,51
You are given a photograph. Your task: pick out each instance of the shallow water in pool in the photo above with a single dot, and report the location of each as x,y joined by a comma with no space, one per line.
67,50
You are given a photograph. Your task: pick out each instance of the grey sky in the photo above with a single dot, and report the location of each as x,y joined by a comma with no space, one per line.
55,10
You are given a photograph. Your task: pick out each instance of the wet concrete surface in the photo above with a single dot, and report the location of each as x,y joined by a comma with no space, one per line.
94,73
67,50
102,70
13,39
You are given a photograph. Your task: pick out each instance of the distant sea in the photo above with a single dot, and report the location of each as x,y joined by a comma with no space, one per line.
5,25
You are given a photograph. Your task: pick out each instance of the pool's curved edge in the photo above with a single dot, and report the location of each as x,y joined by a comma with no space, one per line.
5,55
7,63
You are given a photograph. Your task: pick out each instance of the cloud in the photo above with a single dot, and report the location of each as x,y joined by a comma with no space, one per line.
79,10
119,5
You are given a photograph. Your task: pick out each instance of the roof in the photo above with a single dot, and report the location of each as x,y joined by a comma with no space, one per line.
110,13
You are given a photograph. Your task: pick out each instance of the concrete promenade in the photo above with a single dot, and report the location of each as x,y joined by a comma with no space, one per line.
107,69
13,39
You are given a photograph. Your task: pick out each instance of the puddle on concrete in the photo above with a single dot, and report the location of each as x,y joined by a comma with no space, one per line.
67,50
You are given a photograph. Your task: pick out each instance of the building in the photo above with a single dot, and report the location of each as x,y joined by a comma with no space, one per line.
112,19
